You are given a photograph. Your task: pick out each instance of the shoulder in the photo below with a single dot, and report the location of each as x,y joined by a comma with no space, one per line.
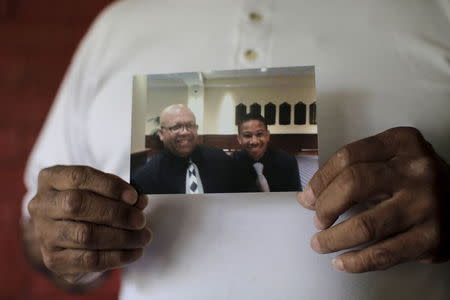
150,166
114,23
126,8
281,156
212,152
238,155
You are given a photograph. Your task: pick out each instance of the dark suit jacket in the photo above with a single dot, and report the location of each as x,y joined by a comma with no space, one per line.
280,170
166,173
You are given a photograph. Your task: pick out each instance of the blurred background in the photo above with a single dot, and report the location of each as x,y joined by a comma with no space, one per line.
37,41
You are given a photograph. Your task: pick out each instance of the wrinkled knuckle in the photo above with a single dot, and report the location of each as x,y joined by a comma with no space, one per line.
108,213
79,176
343,157
91,260
84,235
109,184
47,243
72,202
50,261
45,173
325,242
33,206
380,259
318,179
357,263
366,228
350,178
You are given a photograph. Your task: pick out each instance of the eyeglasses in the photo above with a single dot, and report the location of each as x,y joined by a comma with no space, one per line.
179,127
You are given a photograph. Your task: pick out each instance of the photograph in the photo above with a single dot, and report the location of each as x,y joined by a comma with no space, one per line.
230,131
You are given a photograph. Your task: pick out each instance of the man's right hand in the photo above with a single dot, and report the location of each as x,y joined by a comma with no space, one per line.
87,221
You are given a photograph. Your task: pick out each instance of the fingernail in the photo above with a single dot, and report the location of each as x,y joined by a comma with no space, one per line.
317,223
338,264
315,245
308,197
130,196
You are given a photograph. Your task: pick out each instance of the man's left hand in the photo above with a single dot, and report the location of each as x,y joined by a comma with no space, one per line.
406,184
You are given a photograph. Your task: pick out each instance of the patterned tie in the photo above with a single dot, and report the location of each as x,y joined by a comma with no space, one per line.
261,180
192,179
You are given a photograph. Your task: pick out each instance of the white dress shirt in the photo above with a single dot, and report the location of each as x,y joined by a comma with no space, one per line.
379,64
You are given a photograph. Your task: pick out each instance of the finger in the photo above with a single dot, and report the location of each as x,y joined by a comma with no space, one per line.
72,261
86,178
383,220
89,207
358,183
381,147
408,246
82,235
366,150
142,202
307,198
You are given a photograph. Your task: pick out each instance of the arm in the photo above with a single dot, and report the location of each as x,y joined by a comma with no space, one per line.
408,187
63,141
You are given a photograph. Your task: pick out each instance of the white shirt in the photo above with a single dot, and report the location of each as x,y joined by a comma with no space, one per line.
379,64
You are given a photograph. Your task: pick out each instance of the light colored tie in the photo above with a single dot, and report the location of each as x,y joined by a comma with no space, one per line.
192,186
261,180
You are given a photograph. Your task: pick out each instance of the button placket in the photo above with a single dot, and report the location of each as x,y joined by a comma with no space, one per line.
254,34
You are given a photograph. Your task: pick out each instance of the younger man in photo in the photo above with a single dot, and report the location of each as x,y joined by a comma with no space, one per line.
259,167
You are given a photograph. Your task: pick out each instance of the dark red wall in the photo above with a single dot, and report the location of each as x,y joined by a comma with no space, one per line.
37,40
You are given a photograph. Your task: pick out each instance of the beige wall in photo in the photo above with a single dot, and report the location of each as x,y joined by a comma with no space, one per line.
214,102
160,98
138,113
220,103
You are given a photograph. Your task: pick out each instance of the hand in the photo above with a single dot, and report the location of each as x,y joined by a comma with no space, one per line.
87,221
407,186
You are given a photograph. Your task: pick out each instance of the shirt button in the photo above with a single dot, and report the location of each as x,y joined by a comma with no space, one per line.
255,17
250,54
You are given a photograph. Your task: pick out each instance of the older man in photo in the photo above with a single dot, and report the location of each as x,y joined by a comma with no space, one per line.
184,166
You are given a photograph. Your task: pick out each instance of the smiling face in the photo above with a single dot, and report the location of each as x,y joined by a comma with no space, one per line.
178,130
254,138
